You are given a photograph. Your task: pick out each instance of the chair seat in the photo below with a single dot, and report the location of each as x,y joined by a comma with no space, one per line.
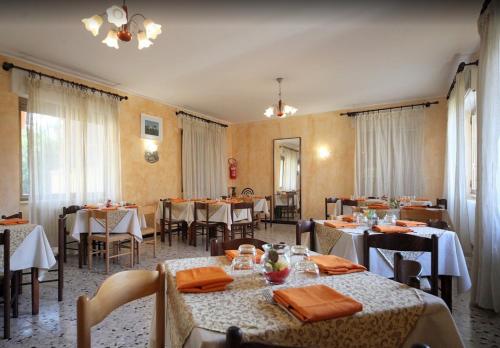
173,221
205,224
113,237
147,231
242,222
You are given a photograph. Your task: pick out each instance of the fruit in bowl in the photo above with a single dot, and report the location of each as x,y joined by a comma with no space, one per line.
275,270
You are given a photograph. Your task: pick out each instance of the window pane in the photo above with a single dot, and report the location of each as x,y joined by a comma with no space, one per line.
25,179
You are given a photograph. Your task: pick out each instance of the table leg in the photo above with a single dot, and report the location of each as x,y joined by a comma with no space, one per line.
35,291
446,290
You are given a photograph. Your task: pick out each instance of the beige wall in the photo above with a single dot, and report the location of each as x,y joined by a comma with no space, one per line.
250,144
253,144
141,182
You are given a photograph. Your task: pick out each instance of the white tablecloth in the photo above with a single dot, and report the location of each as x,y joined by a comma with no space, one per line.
33,251
451,256
128,224
260,205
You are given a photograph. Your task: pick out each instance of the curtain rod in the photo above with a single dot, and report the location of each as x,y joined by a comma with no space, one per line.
460,68
200,118
9,66
355,113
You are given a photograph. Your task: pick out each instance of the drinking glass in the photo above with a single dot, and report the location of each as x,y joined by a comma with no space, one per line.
302,265
242,265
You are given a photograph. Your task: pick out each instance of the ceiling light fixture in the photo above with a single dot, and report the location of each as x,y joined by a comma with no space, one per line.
281,109
118,16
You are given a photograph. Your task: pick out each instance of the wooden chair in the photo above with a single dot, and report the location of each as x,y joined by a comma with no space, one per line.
234,339
13,216
422,215
347,202
218,248
72,209
442,202
329,200
6,282
306,226
247,191
107,238
443,225
203,227
288,211
117,290
242,226
269,200
148,211
407,271
404,242
169,225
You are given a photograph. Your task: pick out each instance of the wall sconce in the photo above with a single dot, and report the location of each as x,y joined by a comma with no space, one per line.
323,152
151,152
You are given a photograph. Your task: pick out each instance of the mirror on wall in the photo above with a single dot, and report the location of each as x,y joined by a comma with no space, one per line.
286,180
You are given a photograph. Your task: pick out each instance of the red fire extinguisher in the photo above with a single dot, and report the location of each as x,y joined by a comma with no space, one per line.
233,165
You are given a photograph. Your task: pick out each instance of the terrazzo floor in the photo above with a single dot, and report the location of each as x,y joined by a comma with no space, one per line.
128,326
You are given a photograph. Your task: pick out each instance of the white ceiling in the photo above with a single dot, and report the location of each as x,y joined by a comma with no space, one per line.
221,61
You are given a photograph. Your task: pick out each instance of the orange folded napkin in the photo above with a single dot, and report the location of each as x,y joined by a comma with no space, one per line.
408,223
348,218
109,208
316,302
177,200
335,265
339,224
378,206
13,221
202,279
415,207
231,254
391,229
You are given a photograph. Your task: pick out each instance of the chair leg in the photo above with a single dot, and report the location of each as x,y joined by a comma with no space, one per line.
154,243
7,306
35,291
169,235
65,246
162,230
89,253
107,256
15,294
138,251
80,254
132,242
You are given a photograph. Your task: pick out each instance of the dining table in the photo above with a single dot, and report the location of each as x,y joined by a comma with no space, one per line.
392,315
29,249
348,243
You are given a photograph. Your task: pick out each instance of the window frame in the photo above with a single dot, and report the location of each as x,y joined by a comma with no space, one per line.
23,107
471,143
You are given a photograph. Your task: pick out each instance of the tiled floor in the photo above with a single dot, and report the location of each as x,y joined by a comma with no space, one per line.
55,326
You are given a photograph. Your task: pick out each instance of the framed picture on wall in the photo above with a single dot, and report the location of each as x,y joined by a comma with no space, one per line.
151,127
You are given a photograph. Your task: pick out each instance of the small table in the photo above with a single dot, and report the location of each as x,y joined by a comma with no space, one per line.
30,249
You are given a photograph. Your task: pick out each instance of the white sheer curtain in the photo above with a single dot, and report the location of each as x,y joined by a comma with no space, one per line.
456,183
290,167
204,155
74,150
486,263
389,153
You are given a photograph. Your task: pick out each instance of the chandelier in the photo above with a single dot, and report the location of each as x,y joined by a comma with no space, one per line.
123,24
280,110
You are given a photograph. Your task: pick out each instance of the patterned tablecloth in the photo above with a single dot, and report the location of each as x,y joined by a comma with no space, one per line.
348,243
29,247
120,221
388,307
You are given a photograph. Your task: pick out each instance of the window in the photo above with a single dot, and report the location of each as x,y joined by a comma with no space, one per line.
471,141
25,175
282,170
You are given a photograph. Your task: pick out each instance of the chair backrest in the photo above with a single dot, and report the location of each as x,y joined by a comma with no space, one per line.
442,202
305,226
247,191
148,211
99,215
72,209
201,206
5,243
329,200
405,271
422,215
234,339
242,205
443,225
117,290
404,242
13,216
218,248
347,202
